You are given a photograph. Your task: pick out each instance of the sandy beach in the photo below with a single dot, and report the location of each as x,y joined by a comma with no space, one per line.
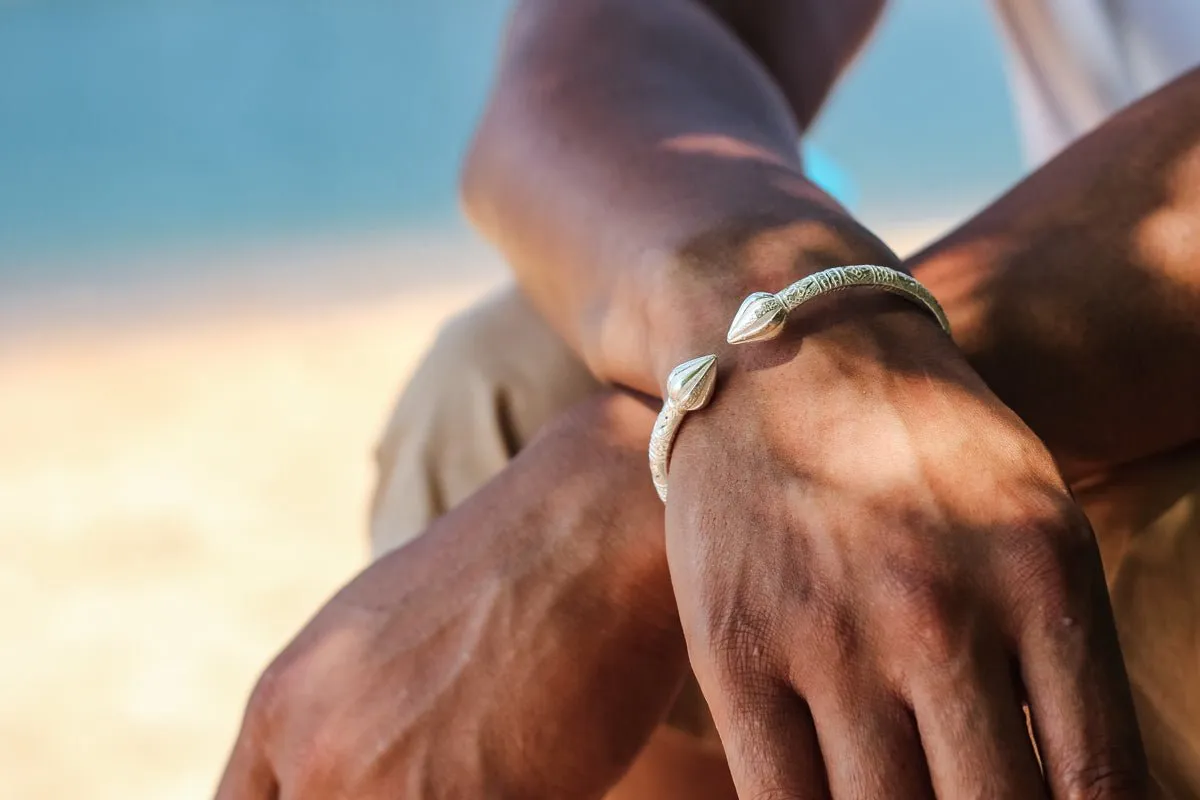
184,475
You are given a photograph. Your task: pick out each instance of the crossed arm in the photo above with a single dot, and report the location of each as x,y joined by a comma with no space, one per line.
1076,297
633,153
858,483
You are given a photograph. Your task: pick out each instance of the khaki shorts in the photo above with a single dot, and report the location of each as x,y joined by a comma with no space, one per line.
496,373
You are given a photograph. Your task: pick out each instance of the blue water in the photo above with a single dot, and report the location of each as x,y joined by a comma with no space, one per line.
130,123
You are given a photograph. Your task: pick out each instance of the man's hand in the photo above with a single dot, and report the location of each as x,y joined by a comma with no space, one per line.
525,647
877,563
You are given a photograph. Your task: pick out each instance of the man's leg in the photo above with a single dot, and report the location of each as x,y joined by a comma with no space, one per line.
493,377
1147,520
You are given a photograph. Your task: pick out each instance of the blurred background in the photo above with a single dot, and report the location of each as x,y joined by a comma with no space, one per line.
227,230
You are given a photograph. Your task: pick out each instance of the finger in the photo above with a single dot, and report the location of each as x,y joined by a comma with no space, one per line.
871,748
973,727
1079,698
248,775
770,741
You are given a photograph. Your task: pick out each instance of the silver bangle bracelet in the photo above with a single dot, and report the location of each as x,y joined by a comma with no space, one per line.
762,316
689,388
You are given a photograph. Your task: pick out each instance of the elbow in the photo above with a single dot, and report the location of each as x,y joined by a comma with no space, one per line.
475,187
489,176
493,173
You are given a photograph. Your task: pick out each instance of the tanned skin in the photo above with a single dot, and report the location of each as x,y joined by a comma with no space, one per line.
870,550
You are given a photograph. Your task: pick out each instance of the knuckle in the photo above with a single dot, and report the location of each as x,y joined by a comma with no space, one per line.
1054,571
267,696
837,636
324,760
927,609
739,647
754,706
934,637
277,689
776,793
1110,780
1037,570
734,639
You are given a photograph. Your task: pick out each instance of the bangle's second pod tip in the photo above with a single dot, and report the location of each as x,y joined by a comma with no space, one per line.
761,317
690,385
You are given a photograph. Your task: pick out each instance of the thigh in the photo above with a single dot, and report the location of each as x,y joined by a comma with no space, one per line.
1147,520
493,376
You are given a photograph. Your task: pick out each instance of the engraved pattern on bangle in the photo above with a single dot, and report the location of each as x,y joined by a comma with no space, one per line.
762,314
689,388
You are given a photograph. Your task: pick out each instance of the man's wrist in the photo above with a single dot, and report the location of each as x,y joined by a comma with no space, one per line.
695,294
845,362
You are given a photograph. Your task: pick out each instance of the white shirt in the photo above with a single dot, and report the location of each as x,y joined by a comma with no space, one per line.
1073,63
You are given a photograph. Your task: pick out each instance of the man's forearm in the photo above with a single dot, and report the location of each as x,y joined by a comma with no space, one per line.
1077,294
638,166
525,646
